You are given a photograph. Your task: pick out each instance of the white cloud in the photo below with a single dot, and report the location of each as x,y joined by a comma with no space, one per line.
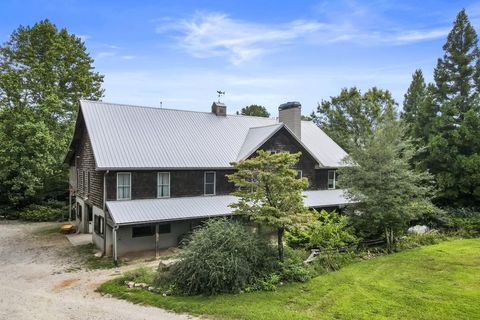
127,57
84,37
215,34
105,54
208,34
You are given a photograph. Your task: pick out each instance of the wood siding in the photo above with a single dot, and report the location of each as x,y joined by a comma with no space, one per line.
89,181
183,183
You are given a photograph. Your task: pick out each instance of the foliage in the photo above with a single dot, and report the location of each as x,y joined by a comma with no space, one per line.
362,290
239,258
293,269
333,261
351,117
43,74
255,110
331,231
417,240
465,221
430,215
382,185
269,191
326,230
37,212
444,118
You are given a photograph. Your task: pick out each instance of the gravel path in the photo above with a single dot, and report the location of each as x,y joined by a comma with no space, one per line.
35,284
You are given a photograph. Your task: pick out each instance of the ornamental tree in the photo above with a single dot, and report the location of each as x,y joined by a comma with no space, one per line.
269,191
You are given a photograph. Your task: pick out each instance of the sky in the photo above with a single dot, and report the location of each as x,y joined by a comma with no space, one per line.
179,53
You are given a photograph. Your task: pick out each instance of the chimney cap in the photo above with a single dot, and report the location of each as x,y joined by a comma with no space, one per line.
290,105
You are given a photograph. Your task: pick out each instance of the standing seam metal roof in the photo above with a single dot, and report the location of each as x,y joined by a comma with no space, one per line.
131,137
172,209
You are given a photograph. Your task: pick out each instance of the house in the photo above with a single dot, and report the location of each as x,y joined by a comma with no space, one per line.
141,178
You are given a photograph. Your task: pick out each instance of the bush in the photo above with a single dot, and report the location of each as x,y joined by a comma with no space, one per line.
333,261
331,232
293,269
430,215
222,256
36,212
418,240
466,222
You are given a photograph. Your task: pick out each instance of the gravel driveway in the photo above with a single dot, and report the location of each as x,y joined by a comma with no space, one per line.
35,283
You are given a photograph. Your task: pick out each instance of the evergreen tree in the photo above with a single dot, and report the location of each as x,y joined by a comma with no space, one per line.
43,74
414,98
386,192
454,151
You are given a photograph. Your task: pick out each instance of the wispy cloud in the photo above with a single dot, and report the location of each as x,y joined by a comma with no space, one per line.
216,34
208,34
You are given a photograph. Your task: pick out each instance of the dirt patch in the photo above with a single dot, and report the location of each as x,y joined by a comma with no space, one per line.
65,284
41,279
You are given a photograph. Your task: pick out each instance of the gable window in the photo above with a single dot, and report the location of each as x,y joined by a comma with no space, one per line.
124,182
331,179
163,185
209,179
99,225
143,231
299,174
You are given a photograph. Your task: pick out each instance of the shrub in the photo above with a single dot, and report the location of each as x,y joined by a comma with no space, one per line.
331,232
36,212
293,269
430,215
466,221
417,240
333,261
298,238
222,256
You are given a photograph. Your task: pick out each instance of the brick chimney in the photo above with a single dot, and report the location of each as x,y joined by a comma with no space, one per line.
290,113
219,109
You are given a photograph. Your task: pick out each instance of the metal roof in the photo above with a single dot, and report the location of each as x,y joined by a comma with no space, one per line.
255,138
132,137
172,209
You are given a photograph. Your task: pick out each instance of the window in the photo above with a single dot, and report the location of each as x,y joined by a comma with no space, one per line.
143,231
79,211
331,179
164,228
124,186
163,185
99,225
83,181
209,179
299,174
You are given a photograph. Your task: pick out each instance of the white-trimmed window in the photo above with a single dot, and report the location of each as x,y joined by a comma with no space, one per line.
331,179
124,186
163,184
209,183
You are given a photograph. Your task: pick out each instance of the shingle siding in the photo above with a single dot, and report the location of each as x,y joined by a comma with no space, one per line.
89,181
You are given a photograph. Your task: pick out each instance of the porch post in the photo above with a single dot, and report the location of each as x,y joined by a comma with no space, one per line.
115,258
157,241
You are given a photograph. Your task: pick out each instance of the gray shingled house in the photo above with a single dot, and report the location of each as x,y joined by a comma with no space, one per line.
141,178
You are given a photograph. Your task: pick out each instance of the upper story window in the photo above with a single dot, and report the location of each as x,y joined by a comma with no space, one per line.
124,185
331,179
210,185
299,174
163,185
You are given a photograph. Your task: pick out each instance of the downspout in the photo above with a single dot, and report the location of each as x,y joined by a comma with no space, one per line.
105,212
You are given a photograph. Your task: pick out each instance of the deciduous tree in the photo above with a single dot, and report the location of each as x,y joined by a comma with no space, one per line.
269,191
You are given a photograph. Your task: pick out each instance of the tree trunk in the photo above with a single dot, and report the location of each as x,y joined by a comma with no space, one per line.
280,232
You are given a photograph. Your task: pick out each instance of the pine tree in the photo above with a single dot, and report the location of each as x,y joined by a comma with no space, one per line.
414,99
454,151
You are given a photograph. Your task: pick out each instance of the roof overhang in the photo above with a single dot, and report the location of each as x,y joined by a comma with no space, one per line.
134,212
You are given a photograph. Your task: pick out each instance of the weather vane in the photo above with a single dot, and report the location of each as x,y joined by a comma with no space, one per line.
220,93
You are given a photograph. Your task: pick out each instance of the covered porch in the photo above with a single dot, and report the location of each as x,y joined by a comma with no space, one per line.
152,225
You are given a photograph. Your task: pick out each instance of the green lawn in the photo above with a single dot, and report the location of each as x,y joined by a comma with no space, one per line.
435,282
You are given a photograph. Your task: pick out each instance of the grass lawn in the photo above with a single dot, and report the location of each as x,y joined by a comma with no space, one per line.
434,282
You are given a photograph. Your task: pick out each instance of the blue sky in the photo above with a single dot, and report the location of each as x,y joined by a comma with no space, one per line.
263,52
